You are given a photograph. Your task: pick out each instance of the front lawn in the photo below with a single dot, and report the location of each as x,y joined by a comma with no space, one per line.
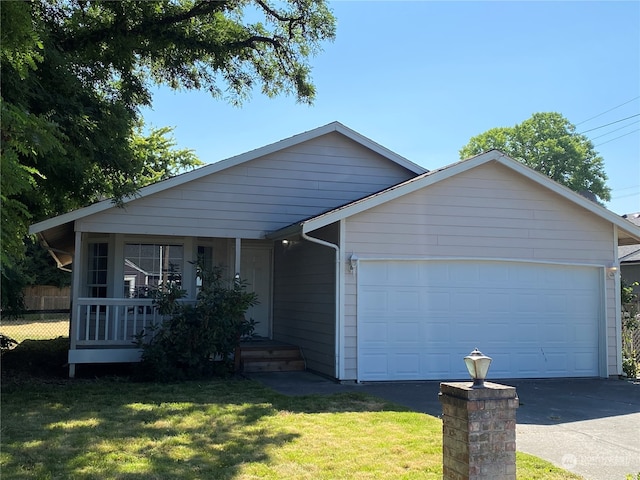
231,429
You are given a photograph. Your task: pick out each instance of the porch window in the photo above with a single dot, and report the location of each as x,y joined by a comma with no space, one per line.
97,271
148,266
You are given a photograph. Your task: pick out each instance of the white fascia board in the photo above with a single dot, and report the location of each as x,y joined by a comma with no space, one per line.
66,218
228,163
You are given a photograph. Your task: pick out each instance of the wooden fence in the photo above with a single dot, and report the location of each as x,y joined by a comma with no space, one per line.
47,297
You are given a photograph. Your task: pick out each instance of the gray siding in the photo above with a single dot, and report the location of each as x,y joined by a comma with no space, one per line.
488,212
304,300
258,196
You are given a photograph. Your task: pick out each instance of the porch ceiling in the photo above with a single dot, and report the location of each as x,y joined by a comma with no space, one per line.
59,241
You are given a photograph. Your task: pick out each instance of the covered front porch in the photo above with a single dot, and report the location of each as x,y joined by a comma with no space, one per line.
115,277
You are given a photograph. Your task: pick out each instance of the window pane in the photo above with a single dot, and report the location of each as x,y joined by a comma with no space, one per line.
147,266
97,271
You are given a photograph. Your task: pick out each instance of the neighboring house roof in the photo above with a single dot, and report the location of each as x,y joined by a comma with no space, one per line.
630,253
59,230
628,233
129,263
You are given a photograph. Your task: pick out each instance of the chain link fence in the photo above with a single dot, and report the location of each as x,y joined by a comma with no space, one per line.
46,315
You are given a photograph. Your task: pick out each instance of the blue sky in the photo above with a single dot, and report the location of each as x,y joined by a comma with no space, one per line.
422,78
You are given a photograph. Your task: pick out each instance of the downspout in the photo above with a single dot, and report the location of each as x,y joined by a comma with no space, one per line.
336,248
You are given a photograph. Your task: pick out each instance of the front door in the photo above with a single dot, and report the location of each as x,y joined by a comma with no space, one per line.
255,269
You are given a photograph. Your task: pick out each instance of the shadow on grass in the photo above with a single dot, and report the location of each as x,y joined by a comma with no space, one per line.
112,427
37,358
118,429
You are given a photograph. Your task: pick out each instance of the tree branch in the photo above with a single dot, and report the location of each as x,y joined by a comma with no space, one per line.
204,7
275,14
292,21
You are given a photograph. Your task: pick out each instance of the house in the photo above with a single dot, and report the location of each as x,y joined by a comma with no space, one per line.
376,268
629,257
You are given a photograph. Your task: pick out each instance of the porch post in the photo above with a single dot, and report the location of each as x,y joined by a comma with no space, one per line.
238,254
75,293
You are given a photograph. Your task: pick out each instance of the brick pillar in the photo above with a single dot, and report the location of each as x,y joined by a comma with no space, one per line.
478,431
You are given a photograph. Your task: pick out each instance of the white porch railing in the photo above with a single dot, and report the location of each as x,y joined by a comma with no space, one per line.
112,321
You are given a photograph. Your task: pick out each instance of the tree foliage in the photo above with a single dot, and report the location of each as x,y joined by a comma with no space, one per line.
548,143
75,74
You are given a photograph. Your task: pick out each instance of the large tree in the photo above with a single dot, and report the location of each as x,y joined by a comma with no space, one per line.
548,143
75,74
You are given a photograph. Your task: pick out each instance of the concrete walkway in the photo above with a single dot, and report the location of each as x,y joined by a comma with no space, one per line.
587,426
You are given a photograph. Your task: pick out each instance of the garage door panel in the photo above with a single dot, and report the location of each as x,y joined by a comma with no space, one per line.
437,363
438,333
495,303
416,320
375,300
466,302
525,303
501,365
555,303
553,333
375,332
406,364
375,365
439,302
407,300
406,333
583,361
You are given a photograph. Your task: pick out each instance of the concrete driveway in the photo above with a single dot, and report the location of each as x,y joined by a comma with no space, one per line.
587,426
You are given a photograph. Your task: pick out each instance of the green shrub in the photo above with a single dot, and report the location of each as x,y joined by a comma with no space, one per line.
40,358
197,340
630,323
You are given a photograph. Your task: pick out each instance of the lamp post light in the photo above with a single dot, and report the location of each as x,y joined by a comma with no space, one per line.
478,366
478,426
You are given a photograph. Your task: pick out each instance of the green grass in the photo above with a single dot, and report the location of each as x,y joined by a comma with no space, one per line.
225,429
36,326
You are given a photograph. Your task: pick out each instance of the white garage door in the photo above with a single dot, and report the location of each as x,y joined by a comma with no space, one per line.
418,319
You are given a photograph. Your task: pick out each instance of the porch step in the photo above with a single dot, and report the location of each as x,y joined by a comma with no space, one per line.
271,358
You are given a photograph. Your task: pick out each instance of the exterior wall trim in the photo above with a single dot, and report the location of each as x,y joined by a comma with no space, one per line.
374,258
340,321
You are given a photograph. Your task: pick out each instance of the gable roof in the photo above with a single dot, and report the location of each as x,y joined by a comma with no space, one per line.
628,232
228,163
56,234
